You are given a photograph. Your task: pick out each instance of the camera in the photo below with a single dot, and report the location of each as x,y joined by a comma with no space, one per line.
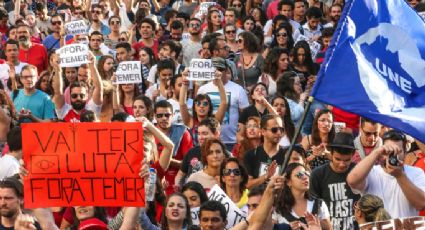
393,160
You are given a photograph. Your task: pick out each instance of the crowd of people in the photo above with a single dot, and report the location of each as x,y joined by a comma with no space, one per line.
233,132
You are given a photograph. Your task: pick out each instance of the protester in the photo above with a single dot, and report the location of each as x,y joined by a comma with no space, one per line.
370,208
233,179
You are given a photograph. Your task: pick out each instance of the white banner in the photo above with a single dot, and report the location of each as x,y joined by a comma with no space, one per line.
128,72
76,27
234,214
409,223
73,55
201,70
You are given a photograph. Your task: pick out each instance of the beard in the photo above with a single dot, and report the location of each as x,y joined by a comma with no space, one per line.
78,105
7,213
23,40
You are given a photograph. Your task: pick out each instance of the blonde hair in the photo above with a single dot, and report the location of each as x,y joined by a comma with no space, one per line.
373,208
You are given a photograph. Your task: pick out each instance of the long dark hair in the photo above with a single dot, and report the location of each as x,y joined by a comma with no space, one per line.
285,86
148,104
99,213
272,61
315,135
152,59
286,199
290,40
187,221
210,26
105,75
196,187
49,90
201,97
308,60
287,121
244,174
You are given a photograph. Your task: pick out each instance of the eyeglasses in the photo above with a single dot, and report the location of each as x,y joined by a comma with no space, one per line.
237,5
194,25
96,12
276,129
301,174
231,32
239,41
75,95
78,12
227,172
56,23
368,134
122,39
281,35
115,22
203,103
160,115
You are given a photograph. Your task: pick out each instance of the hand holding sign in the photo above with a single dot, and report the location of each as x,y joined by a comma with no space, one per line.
73,55
128,72
76,27
201,70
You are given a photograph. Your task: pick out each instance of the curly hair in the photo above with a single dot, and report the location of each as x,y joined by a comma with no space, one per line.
250,41
244,174
272,61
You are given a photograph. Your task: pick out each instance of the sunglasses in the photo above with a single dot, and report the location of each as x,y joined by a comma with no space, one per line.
122,39
203,103
237,5
194,25
227,172
57,23
166,115
301,174
239,41
281,35
75,95
96,12
277,129
115,22
368,134
78,12
231,32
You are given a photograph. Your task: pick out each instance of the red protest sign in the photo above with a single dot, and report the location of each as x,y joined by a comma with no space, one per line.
91,164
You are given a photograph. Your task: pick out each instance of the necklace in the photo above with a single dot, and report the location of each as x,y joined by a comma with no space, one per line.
250,60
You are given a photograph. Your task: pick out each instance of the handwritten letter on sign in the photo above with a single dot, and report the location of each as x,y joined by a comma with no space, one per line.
73,164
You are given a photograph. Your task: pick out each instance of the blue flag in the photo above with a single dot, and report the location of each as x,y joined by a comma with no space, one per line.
375,65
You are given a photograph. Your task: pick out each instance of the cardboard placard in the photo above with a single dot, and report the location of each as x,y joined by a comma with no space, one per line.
73,55
201,70
90,164
234,214
194,213
416,222
76,27
128,72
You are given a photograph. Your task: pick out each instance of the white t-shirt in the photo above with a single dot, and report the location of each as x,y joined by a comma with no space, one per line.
89,106
177,117
4,72
9,166
323,212
237,99
382,184
153,70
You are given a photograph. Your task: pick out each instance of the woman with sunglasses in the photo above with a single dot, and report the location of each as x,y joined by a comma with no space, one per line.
233,180
230,31
249,139
295,200
370,208
202,105
322,133
213,155
281,38
114,23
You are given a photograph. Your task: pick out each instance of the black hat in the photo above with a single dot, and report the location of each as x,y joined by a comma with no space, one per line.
343,140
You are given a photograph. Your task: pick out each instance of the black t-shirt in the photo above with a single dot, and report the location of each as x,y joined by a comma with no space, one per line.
338,196
192,162
257,161
250,111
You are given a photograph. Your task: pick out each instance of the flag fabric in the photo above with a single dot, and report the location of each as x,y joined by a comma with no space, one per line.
375,65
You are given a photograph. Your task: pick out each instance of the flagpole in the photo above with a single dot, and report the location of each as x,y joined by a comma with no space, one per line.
297,133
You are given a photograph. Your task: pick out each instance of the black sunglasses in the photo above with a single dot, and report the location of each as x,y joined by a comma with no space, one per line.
160,115
227,172
75,95
203,103
276,129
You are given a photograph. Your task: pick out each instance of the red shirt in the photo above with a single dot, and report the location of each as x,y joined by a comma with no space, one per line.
36,55
170,174
351,120
137,46
420,163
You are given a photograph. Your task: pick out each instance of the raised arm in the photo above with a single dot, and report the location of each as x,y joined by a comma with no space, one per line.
184,111
12,76
57,83
97,96
221,112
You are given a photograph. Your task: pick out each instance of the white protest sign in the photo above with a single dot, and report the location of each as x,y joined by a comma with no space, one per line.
234,214
128,72
4,75
315,48
73,55
194,213
203,7
339,126
416,222
76,27
201,70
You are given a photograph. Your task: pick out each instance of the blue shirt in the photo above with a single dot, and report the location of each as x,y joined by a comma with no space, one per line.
39,103
51,43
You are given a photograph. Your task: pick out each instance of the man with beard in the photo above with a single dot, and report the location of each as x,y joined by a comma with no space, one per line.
264,161
57,38
11,51
328,182
191,46
96,17
178,134
334,15
31,53
79,93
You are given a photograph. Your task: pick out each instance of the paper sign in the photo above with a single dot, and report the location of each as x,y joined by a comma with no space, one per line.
73,55
4,75
201,70
234,214
408,223
339,126
194,213
91,164
76,27
128,72
203,7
